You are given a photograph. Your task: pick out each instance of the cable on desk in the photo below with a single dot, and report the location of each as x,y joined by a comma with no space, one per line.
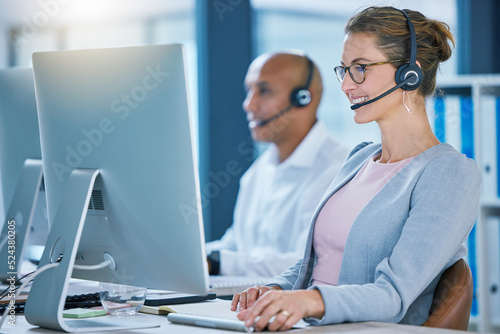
101,265
18,292
6,291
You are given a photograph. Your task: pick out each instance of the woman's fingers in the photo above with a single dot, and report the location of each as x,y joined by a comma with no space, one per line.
246,298
280,310
264,308
235,301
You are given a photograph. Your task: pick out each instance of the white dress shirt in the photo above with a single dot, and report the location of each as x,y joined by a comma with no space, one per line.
275,204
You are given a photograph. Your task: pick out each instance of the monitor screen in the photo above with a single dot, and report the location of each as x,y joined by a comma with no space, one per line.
120,114
23,207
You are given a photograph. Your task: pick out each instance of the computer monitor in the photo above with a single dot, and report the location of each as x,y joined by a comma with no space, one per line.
120,174
25,223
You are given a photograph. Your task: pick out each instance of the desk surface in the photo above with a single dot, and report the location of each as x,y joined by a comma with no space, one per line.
220,308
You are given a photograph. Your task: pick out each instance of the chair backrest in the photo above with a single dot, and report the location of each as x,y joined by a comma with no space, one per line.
452,300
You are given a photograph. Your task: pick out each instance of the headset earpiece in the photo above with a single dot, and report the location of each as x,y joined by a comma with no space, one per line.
301,96
407,71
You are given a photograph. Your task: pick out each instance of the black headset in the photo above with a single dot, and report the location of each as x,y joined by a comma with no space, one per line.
411,69
301,96
408,76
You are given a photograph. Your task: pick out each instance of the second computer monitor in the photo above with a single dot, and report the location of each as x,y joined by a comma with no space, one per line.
24,214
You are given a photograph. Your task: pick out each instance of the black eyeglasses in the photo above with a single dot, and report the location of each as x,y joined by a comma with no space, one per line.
358,73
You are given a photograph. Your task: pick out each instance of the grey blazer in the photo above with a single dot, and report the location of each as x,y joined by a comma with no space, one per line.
400,243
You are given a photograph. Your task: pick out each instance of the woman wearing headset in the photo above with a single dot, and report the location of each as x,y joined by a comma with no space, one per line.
398,213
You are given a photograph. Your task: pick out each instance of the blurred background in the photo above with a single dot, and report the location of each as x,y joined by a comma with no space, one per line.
223,36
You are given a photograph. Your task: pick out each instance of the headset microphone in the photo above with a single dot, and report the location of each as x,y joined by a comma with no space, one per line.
263,122
359,105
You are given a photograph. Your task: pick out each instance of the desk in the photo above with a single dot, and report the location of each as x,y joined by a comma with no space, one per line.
220,308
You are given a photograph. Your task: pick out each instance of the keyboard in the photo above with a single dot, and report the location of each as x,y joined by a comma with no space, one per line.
86,300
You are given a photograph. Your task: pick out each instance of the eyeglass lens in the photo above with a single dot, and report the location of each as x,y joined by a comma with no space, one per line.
356,71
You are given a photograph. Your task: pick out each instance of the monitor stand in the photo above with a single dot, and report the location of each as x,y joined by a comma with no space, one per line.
18,221
48,293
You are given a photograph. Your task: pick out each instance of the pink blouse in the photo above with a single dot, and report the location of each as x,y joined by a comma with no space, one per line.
339,212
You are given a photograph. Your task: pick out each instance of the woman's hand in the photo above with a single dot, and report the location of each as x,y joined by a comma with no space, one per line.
248,297
287,308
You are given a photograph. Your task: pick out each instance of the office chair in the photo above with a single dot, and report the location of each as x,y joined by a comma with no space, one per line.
452,300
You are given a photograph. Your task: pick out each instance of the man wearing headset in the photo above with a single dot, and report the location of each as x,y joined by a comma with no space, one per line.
281,189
